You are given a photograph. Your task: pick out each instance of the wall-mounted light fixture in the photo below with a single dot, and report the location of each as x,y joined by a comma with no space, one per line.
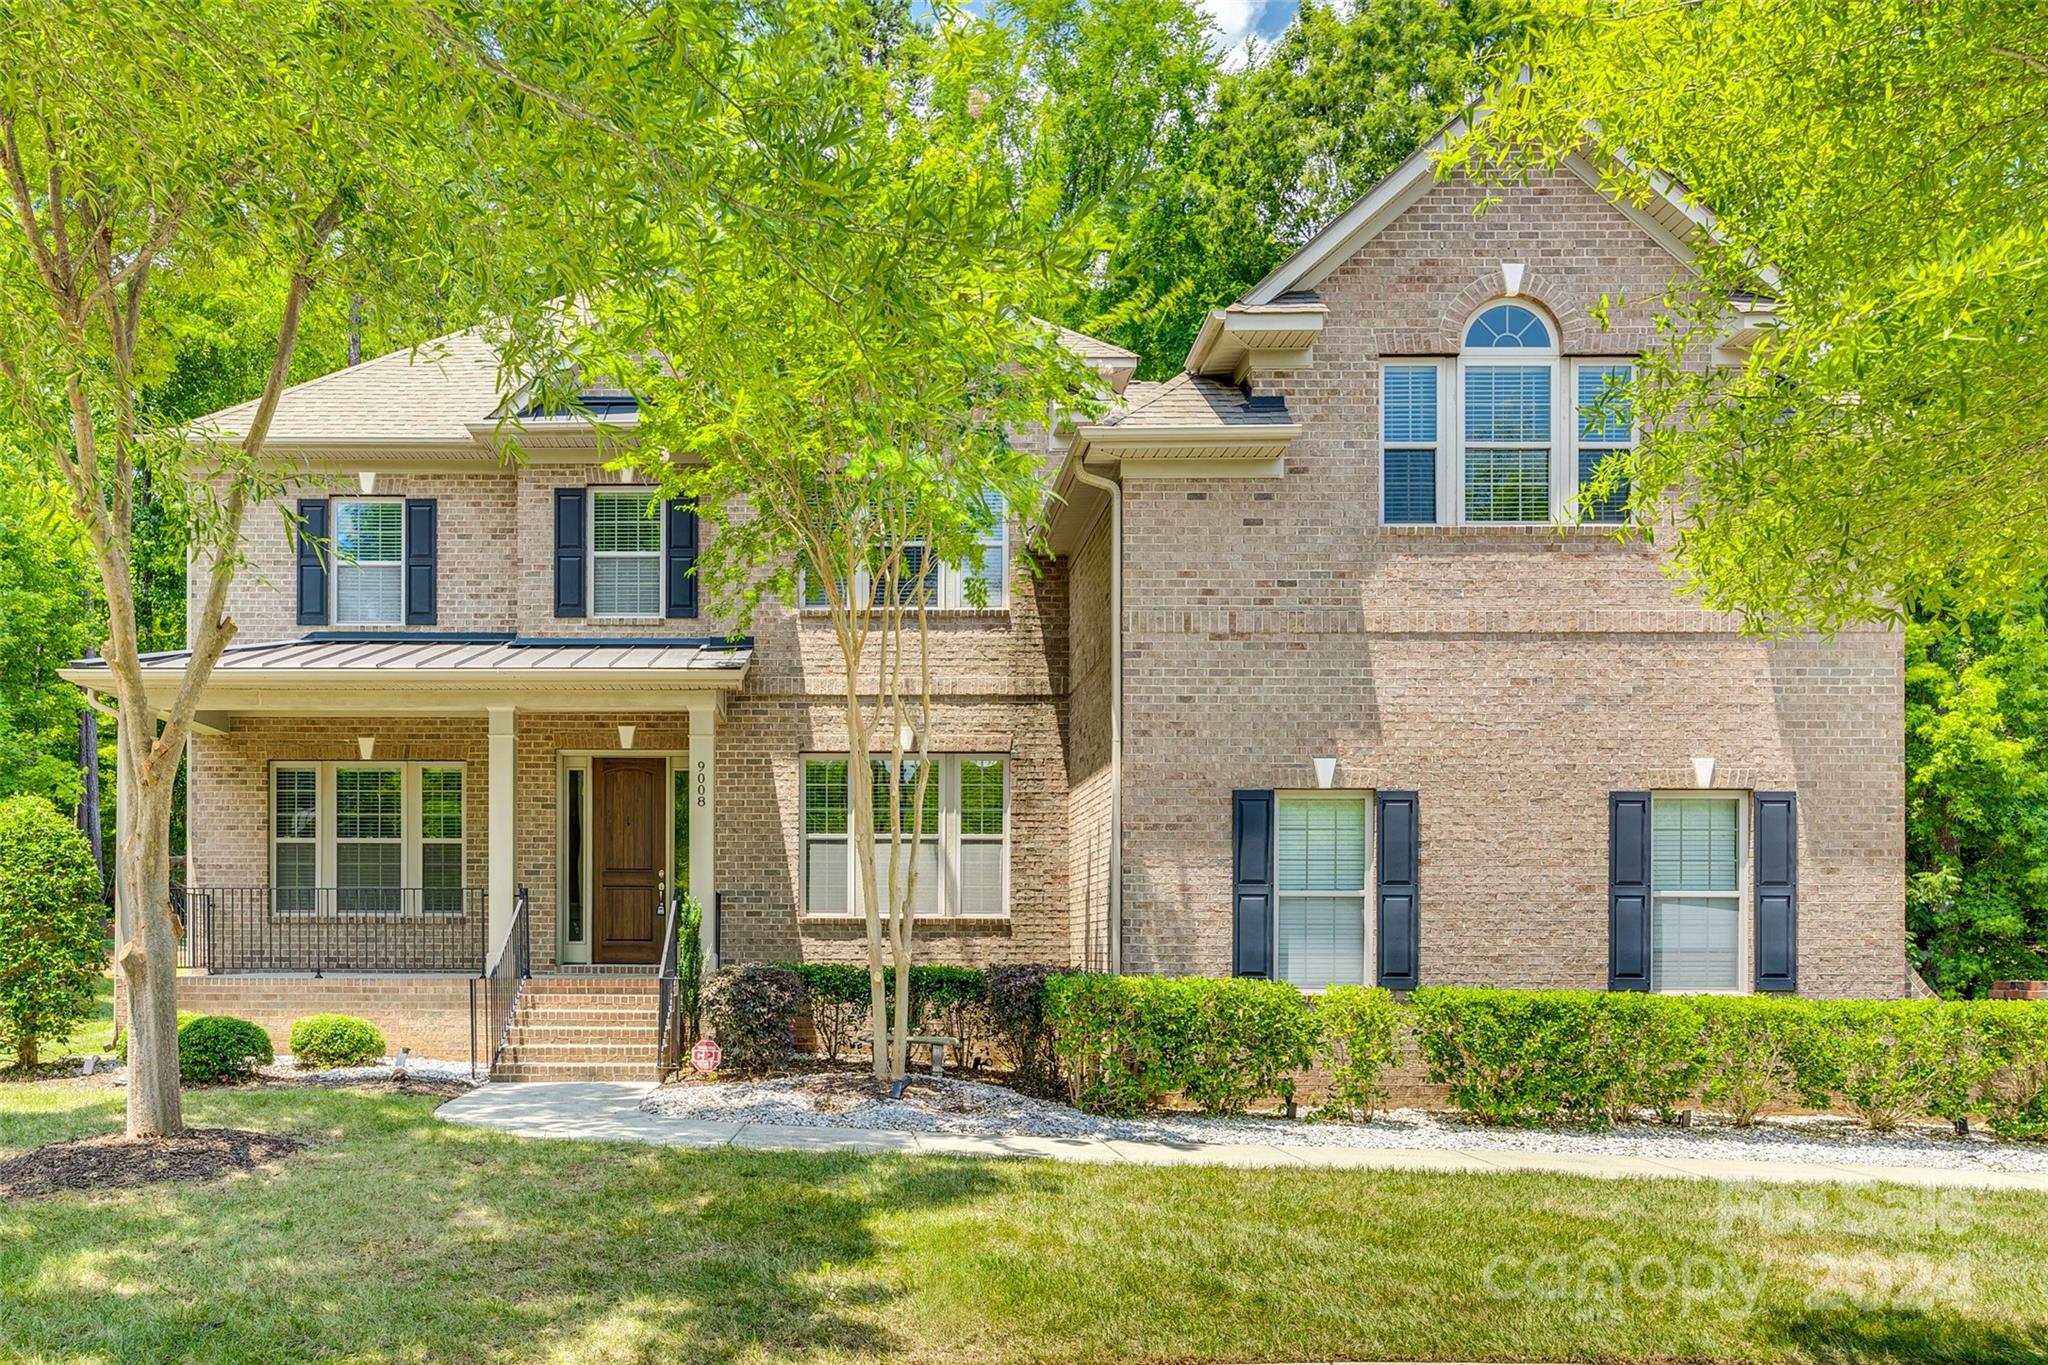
366,745
625,736
1703,772
1326,771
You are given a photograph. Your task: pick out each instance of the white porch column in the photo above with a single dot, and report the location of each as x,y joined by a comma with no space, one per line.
703,813
502,882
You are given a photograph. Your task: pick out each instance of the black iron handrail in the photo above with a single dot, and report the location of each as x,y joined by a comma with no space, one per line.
319,929
669,994
494,995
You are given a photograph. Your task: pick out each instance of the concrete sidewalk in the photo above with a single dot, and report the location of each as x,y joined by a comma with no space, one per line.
609,1111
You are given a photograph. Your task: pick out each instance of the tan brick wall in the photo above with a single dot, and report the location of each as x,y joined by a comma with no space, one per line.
1512,677
1090,774
472,589
429,1014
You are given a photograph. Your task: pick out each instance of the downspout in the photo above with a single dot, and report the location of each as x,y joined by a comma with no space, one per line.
1116,709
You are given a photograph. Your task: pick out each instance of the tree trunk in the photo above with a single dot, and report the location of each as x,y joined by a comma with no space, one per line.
147,960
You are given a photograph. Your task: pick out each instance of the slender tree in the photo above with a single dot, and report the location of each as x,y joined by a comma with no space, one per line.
839,372
286,147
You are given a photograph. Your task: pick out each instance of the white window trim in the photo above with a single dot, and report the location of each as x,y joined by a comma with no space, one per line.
334,574
1573,369
326,841
953,579
1368,943
1745,960
1450,423
659,554
946,766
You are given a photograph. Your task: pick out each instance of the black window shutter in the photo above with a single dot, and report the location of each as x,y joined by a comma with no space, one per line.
1777,891
1251,883
682,557
313,555
1399,922
571,557
1628,891
421,561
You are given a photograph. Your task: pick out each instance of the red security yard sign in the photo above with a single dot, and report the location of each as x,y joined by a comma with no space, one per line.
705,1056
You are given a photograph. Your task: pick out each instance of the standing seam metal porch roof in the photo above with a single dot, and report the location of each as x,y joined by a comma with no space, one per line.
399,655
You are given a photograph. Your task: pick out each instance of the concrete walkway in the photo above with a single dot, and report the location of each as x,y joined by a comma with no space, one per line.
609,1111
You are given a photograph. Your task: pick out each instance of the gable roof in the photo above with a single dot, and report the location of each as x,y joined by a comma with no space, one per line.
1670,217
1192,402
448,399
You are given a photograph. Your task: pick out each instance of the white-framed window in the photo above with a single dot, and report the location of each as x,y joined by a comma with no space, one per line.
1322,858
960,839
1606,426
625,553
369,562
947,587
367,838
295,836
1507,381
1501,434
1699,859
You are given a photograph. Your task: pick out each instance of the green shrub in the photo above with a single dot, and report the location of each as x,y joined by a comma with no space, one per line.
1883,1059
52,926
1647,1053
121,1044
838,996
1359,1028
1016,1009
1515,1057
749,1009
2013,1035
335,1040
215,1047
1751,1046
1127,1041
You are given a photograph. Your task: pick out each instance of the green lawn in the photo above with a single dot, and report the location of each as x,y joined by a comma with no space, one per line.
398,1237
94,1034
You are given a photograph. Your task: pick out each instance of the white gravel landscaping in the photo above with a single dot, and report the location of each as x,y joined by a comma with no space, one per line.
418,1068
974,1109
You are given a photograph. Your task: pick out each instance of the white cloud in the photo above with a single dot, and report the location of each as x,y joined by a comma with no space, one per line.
1233,20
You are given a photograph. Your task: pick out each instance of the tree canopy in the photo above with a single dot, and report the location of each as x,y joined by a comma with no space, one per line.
1878,170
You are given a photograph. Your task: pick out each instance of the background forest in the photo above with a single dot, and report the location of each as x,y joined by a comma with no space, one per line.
1199,180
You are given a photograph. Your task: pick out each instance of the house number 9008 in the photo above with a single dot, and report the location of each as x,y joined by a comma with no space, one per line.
703,781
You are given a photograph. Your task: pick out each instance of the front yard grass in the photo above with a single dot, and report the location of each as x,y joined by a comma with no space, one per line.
399,1237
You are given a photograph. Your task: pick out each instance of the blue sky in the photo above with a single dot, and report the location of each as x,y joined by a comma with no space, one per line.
1238,20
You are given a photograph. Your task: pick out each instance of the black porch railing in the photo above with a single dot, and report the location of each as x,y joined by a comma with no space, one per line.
333,929
494,995
670,991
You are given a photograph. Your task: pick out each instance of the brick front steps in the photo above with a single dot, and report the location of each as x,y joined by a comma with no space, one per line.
583,1028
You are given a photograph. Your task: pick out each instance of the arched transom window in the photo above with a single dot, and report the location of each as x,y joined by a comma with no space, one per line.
1505,433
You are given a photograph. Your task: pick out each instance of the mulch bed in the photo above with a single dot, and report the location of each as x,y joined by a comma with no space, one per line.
119,1162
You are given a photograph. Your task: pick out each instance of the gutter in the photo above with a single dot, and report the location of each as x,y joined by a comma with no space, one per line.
1116,709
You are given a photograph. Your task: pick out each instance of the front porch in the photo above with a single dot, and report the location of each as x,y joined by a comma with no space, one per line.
411,828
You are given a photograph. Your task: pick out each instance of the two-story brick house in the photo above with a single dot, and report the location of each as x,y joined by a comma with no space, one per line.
1323,678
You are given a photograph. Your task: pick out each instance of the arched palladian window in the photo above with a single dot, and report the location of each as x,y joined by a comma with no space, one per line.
1506,433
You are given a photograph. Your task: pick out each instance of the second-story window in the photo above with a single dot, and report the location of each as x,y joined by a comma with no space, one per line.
947,587
625,553
369,563
1507,433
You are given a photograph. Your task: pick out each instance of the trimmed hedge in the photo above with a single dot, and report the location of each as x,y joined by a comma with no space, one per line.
1128,1041
215,1047
1361,1038
1016,1012
321,1040
1531,1057
944,999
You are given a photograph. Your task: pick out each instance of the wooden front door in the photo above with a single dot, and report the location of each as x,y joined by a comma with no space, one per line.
628,849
